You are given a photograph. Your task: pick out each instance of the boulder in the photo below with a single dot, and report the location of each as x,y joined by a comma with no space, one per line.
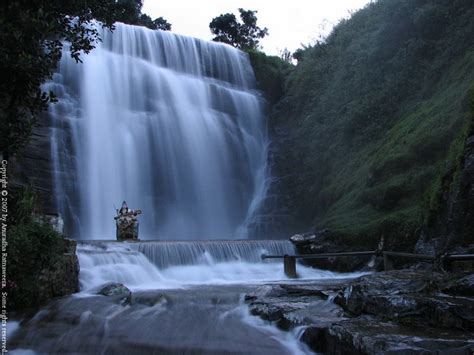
397,312
114,289
368,335
327,241
303,239
463,286
409,297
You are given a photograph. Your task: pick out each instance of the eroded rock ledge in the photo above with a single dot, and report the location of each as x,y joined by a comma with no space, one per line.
62,278
396,312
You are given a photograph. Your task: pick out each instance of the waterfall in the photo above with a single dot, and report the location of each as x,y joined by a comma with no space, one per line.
171,124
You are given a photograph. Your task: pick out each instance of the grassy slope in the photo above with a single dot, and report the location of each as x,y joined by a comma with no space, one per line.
381,113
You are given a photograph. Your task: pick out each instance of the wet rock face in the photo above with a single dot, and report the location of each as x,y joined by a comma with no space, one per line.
33,166
63,278
409,297
292,305
114,289
277,216
326,241
461,287
396,312
367,335
453,229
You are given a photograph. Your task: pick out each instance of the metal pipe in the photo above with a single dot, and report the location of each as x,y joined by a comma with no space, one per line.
321,256
409,255
460,257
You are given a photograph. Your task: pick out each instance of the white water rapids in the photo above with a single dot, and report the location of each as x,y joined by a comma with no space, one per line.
187,298
162,265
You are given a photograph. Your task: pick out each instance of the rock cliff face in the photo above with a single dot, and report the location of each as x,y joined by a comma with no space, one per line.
62,278
277,217
452,228
33,166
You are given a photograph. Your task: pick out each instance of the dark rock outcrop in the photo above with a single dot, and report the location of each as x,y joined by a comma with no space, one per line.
409,297
368,335
63,277
326,241
452,228
462,287
114,289
396,312
276,217
33,167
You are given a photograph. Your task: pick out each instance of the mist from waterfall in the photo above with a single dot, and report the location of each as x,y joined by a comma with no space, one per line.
171,124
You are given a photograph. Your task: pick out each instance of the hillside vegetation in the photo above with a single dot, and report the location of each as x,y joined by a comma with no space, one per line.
378,117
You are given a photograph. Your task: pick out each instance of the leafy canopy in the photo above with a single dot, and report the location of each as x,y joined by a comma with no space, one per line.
157,24
31,41
244,35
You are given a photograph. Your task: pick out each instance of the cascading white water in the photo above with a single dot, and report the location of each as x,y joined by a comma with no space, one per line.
165,265
169,123
166,254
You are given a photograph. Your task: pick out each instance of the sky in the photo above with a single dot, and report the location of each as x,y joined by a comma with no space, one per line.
291,23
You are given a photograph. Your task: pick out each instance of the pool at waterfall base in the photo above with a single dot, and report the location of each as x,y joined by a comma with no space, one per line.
186,298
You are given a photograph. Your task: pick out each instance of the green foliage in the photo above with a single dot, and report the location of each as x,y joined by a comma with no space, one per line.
22,204
243,35
379,115
157,24
31,41
286,55
161,24
32,247
128,11
271,73
30,47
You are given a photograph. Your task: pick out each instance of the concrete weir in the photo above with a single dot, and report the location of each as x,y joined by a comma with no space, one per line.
163,253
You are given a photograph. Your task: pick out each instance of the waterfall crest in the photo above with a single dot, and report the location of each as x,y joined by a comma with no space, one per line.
166,254
171,124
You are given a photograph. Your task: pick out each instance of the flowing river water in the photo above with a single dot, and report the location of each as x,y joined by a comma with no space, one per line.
187,298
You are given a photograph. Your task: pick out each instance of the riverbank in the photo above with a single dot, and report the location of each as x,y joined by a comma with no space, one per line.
397,312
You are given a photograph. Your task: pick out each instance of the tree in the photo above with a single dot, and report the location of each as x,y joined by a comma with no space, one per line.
161,24
157,24
129,11
31,44
244,35
286,55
